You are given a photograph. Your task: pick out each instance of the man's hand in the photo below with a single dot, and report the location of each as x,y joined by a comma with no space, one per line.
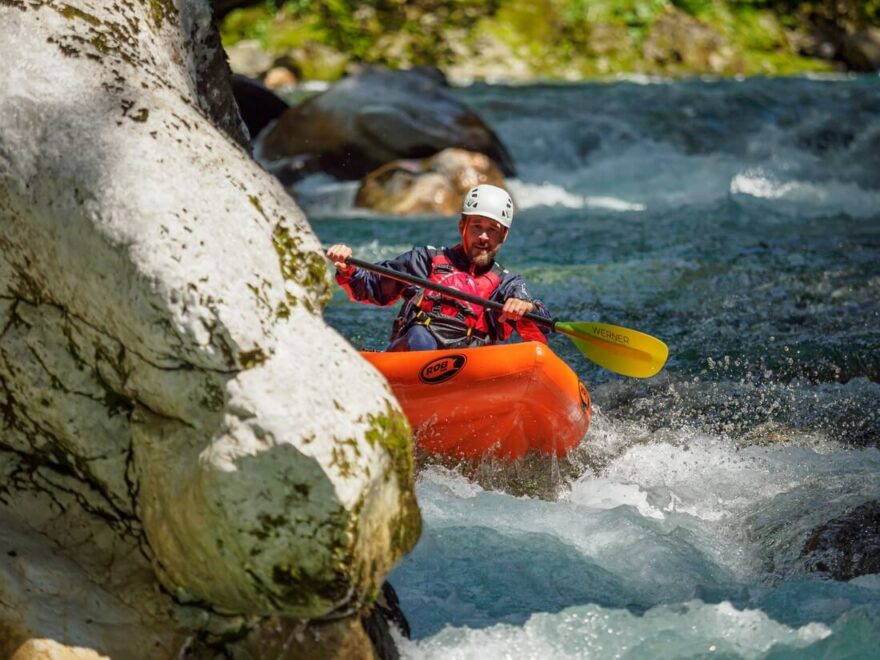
339,254
515,309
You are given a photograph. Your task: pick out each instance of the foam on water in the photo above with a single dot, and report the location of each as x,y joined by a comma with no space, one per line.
315,85
810,198
322,195
871,581
532,195
648,142
642,79
670,519
690,629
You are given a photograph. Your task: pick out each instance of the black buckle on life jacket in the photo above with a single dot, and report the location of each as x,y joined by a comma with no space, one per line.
450,332
440,300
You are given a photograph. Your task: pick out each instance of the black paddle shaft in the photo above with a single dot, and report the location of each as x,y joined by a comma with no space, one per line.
453,293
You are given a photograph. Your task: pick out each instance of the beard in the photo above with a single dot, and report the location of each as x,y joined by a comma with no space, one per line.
482,257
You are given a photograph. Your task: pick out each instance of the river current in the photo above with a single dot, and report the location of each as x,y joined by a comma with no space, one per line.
739,221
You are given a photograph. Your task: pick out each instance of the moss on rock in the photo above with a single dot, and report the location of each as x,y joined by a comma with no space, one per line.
307,268
392,431
163,10
71,12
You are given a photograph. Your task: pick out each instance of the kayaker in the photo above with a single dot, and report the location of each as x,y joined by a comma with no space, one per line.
429,320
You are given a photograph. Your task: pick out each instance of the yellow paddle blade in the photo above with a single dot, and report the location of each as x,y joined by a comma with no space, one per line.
621,350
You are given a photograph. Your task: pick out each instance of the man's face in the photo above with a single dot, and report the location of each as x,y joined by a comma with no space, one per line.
481,238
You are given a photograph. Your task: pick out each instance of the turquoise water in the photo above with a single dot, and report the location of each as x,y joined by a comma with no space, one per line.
739,222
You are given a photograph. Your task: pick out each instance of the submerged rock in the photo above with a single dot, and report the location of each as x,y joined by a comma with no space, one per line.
187,449
847,546
373,118
433,185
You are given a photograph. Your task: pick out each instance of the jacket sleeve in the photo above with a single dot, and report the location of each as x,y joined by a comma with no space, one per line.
514,286
374,289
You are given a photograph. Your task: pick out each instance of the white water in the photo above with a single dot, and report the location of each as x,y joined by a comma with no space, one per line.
593,631
740,223
668,552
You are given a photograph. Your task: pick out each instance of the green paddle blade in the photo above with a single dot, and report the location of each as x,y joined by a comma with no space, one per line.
621,350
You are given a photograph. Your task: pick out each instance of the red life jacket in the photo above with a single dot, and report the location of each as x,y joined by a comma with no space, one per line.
450,320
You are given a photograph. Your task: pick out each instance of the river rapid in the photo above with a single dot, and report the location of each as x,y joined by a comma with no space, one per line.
739,221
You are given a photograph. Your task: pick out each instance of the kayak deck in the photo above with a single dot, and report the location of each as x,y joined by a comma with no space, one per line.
503,400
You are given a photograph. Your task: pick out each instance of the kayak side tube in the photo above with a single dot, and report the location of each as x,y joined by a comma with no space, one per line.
504,400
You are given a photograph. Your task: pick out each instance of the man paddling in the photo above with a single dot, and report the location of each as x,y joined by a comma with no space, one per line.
430,320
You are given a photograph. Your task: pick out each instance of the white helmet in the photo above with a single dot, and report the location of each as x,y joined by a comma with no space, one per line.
489,201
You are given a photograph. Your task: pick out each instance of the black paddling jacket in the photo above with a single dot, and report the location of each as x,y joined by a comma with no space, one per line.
371,288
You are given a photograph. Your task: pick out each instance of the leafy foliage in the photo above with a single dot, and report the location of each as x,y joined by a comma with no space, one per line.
552,35
355,28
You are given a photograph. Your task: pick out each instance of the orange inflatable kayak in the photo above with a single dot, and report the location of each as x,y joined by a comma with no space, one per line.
504,400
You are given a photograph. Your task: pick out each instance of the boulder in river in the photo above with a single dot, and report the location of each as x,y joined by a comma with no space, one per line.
187,450
434,185
372,118
847,546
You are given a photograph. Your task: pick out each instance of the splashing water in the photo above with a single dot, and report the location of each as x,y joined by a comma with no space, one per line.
739,222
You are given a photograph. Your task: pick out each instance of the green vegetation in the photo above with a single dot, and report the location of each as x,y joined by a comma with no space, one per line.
553,39
358,29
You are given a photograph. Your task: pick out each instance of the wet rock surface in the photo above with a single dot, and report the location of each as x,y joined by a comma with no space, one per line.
434,185
172,470
373,118
847,546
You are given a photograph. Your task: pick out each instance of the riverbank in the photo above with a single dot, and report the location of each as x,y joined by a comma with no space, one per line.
517,41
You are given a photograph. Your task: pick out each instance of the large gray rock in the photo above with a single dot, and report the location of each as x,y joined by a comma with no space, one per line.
174,410
373,118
